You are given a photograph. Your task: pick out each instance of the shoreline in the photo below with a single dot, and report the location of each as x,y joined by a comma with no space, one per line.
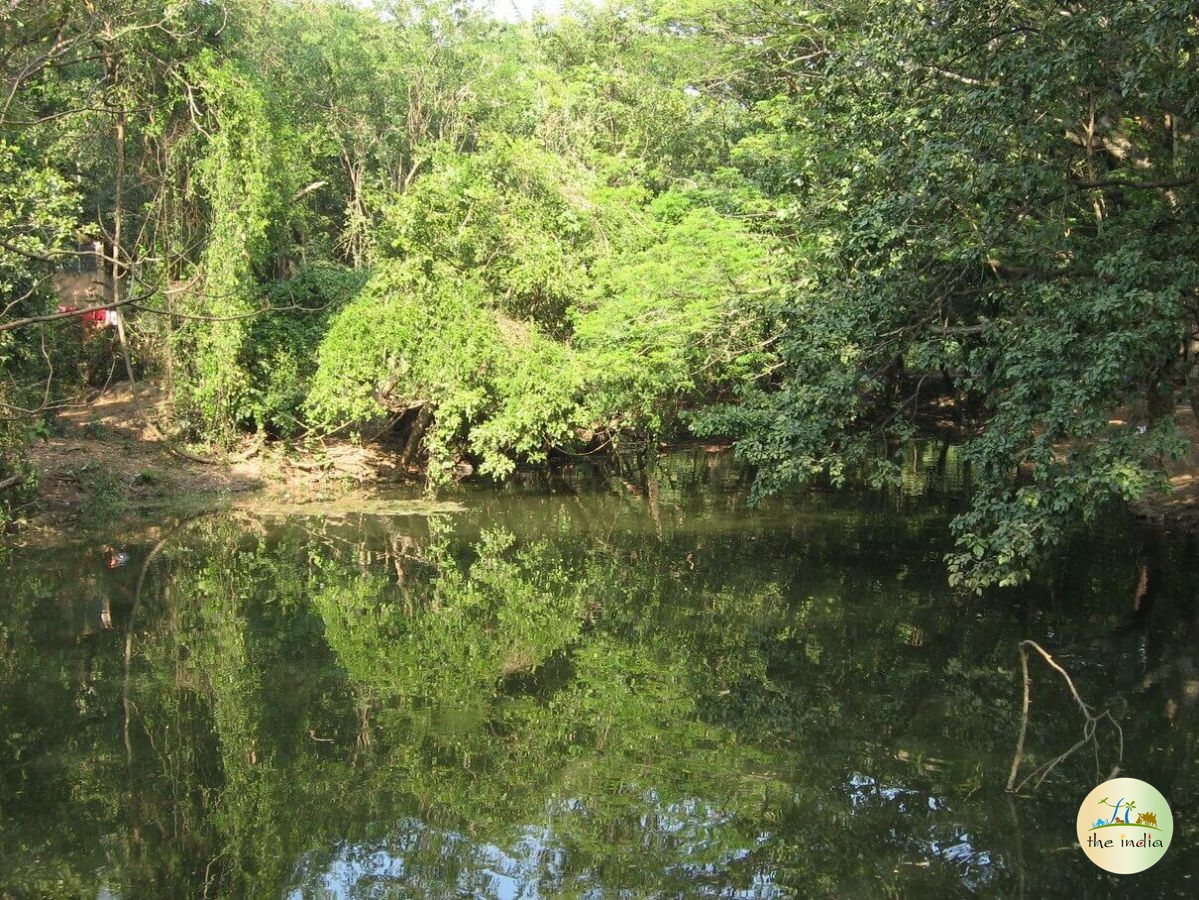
102,463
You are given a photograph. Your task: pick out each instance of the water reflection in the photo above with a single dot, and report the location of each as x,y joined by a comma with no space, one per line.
418,858
634,686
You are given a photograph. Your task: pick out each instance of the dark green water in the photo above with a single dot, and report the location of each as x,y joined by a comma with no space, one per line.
580,688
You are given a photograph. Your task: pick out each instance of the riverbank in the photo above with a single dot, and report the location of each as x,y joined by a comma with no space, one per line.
102,461
1179,506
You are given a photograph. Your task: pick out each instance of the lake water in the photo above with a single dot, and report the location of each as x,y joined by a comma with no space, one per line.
586,686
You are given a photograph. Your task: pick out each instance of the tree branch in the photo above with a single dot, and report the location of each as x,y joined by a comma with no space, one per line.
57,317
1164,184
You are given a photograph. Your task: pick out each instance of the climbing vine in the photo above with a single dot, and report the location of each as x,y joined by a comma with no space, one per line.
243,183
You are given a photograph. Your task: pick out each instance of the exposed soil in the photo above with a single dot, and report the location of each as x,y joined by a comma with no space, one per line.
1179,507
105,455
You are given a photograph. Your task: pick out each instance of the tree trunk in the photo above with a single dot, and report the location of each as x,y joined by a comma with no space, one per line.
1192,371
416,435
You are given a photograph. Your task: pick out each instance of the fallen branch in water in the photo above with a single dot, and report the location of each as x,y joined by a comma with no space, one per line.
1091,723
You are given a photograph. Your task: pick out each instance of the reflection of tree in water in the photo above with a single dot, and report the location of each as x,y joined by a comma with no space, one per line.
59,684
698,705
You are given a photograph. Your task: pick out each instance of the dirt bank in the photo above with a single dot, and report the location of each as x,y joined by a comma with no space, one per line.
103,460
1179,507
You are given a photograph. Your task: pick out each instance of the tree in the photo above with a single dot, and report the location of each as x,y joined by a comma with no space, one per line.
1003,194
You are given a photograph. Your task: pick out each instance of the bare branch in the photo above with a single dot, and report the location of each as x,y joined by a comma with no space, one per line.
1091,723
315,186
1164,184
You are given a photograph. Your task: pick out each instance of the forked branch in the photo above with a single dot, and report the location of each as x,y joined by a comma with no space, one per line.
1090,718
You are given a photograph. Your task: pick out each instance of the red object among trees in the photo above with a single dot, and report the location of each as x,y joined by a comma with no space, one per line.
92,318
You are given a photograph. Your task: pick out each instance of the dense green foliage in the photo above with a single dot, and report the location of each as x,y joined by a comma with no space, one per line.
282,349
815,227
1004,192
421,334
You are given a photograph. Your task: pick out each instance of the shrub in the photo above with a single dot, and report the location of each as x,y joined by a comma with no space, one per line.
423,333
